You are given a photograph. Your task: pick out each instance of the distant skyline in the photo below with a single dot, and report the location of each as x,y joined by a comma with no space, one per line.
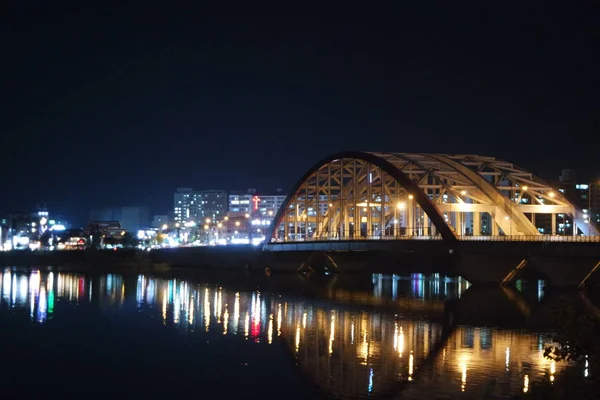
120,104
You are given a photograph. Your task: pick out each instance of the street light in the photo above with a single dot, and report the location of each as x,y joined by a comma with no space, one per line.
207,220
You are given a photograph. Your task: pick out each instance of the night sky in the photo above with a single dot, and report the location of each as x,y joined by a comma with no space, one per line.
120,104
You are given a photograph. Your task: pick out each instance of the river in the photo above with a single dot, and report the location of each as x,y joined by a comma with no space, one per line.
79,335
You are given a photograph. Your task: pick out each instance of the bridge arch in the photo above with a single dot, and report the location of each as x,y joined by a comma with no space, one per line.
364,184
362,195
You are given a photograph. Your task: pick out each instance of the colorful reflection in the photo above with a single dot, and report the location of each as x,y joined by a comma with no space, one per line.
34,291
347,352
488,363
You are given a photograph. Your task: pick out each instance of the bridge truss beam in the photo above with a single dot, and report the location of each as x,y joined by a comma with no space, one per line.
356,195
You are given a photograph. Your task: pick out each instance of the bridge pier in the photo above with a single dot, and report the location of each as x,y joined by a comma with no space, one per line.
565,271
485,269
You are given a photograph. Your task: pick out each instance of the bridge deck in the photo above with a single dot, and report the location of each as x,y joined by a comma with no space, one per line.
464,238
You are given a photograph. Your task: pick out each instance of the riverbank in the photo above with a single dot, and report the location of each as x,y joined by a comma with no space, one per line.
231,258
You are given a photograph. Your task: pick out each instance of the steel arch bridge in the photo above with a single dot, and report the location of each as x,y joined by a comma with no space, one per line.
363,195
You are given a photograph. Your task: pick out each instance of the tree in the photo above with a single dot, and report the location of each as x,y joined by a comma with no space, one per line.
576,337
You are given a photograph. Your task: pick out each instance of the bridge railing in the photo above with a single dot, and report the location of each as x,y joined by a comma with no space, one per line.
482,238
531,238
356,238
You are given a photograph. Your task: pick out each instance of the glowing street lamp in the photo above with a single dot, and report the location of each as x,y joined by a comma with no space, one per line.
207,220
401,205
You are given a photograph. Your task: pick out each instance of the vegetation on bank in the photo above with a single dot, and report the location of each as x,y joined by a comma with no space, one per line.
576,341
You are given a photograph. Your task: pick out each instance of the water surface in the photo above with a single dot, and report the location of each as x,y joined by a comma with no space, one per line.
74,335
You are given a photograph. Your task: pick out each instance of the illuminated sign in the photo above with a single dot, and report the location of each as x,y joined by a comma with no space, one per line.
256,200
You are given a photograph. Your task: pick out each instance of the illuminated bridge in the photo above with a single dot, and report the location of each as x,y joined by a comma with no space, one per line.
354,196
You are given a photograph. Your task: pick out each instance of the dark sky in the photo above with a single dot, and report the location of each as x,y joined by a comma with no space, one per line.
121,103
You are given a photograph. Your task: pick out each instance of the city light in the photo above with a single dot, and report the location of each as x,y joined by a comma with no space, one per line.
401,205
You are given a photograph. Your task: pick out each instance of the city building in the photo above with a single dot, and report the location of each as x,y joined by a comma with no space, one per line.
585,195
267,204
103,232
213,204
185,205
251,215
197,205
19,231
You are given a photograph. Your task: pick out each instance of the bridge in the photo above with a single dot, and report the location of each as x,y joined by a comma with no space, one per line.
401,196
482,211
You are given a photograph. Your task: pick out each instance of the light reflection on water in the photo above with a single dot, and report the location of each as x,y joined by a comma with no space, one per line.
345,351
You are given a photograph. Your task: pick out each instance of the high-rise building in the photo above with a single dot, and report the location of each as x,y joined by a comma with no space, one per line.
185,208
191,205
213,204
